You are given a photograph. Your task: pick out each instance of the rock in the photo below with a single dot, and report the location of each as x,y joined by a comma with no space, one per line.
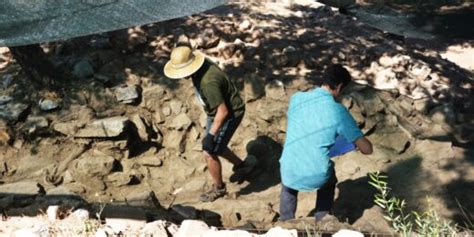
6,80
136,37
5,137
231,218
422,105
22,188
175,140
104,232
208,39
158,117
142,199
356,113
254,88
142,128
279,60
13,111
192,228
48,105
37,231
127,94
80,215
152,161
155,228
118,179
153,97
5,99
187,212
62,191
443,114
93,165
391,138
122,226
166,111
245,25
389,61
181,122
35,123
368,101
419,71
348,233
275,90
122,211
176,106
229,233
280,232
83,69
109,127
67,128
52,213
339,3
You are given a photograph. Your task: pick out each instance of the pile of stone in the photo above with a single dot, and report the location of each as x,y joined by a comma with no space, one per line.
59,221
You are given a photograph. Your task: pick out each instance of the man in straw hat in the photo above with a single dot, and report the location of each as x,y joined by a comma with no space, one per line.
225,109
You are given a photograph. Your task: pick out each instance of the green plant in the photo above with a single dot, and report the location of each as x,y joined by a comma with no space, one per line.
311,231
424,224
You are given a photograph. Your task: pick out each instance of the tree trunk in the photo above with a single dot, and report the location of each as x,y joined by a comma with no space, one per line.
35,64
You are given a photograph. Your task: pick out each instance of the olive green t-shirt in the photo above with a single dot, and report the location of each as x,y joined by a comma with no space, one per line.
213,88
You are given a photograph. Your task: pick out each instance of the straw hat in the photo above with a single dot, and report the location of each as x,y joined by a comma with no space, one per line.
183,62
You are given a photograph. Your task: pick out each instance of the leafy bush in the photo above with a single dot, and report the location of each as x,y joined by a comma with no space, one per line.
427,223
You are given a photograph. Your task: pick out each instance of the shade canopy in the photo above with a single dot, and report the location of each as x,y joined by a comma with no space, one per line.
24,22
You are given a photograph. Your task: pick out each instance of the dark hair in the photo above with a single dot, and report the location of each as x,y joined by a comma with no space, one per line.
335,75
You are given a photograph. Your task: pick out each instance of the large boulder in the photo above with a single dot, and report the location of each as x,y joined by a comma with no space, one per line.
109,127
13,111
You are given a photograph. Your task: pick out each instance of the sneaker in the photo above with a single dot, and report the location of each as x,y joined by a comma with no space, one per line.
243,170
213,194
320,215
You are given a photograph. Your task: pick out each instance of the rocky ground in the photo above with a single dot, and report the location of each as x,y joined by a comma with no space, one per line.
119,139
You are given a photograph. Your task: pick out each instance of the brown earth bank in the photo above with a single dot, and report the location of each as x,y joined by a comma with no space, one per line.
118,134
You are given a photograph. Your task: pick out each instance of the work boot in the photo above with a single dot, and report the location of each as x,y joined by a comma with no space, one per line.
213,194
243,170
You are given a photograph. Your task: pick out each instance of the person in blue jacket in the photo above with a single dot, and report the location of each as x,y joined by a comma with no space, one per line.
315,120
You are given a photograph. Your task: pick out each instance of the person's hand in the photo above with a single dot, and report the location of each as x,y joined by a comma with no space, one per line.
208,143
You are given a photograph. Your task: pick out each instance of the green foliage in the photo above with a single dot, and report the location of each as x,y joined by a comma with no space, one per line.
407,224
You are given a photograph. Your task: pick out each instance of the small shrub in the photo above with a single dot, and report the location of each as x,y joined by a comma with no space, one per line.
407,224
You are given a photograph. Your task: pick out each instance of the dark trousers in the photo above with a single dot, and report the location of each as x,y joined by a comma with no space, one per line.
324,199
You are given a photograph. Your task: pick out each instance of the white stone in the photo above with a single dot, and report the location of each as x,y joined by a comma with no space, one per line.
245,25
109,127
192,228
122,225
280,232
101,233
80,214
52,213
228,233
155,229
47,104
347,233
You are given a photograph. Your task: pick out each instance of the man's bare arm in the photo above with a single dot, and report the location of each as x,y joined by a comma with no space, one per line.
364,145
221,115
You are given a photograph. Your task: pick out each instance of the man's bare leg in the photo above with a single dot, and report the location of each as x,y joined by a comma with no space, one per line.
215,168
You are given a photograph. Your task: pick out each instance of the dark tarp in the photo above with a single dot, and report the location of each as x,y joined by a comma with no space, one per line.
25,22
